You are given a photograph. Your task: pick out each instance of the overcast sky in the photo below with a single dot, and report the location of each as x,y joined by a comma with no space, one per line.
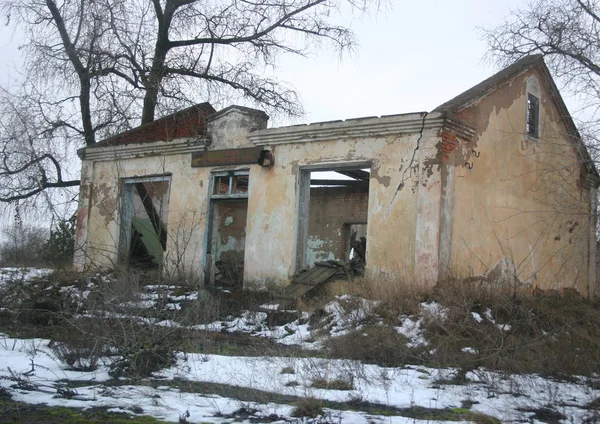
412,57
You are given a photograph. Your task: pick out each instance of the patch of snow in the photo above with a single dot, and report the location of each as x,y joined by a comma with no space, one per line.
23,274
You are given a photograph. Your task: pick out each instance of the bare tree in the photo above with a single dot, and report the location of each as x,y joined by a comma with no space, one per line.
97,67
566,32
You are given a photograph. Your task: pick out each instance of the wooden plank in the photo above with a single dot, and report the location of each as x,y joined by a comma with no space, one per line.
225,157
294,291
316,275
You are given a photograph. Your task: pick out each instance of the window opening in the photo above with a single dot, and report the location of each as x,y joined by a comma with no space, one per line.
143,239
230,185
533,115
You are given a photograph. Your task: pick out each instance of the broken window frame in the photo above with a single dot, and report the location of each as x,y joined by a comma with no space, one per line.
231,175
127,188
533,110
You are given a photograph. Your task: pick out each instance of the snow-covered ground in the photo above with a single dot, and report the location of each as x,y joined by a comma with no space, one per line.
22,274
31,370
33,373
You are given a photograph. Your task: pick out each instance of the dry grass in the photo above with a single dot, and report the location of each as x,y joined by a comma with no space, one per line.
308,407
547,335
522,334
335,384
380,345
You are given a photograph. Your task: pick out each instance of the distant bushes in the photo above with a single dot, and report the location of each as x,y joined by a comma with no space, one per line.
30,246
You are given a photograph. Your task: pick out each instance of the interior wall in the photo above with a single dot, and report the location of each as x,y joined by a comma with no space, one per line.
331,211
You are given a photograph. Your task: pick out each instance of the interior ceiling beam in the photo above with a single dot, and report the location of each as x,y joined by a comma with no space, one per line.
357,174
339,182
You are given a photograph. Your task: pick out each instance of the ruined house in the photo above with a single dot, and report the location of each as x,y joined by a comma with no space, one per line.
496,175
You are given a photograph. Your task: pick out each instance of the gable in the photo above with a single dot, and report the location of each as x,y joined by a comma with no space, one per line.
475,105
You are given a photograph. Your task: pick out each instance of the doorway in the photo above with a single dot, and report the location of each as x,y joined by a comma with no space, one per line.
333,213
227,229
143,224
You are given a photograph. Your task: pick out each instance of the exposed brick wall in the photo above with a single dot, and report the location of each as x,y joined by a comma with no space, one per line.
449,143
329,210
189,122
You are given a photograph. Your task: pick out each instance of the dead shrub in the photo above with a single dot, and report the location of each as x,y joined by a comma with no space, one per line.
381,345
484,328
80,355
143,349
204,309
308,407
288,370
41,303
335,384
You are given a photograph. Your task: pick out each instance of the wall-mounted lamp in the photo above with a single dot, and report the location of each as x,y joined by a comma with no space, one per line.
266,159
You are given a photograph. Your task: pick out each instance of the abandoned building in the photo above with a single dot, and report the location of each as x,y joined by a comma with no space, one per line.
496,175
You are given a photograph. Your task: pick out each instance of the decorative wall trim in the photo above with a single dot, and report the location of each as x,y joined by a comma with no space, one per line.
128,151
350,128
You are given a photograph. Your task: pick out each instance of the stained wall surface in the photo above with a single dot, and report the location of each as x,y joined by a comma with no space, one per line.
522,199
331,212
449,196
404,204
99,210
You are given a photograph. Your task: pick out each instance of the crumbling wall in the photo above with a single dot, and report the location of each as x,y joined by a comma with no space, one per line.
404,198
187,210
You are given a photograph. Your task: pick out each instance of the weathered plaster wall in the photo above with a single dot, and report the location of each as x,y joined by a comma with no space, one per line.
187,209
230,127
229,231
520,200
331,210
99,206
400,188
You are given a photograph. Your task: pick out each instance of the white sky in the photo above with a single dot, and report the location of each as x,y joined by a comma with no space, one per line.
412,56
410,59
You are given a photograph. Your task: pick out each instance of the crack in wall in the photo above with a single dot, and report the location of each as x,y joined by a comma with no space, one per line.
401,185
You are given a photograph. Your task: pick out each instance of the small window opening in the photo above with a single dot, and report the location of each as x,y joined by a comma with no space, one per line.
230,185
533,116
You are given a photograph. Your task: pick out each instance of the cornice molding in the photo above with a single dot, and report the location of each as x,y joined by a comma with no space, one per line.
128,151
350,128
458,128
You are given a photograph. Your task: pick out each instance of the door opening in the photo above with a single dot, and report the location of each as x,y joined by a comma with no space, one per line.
144,211
227,229
333,216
